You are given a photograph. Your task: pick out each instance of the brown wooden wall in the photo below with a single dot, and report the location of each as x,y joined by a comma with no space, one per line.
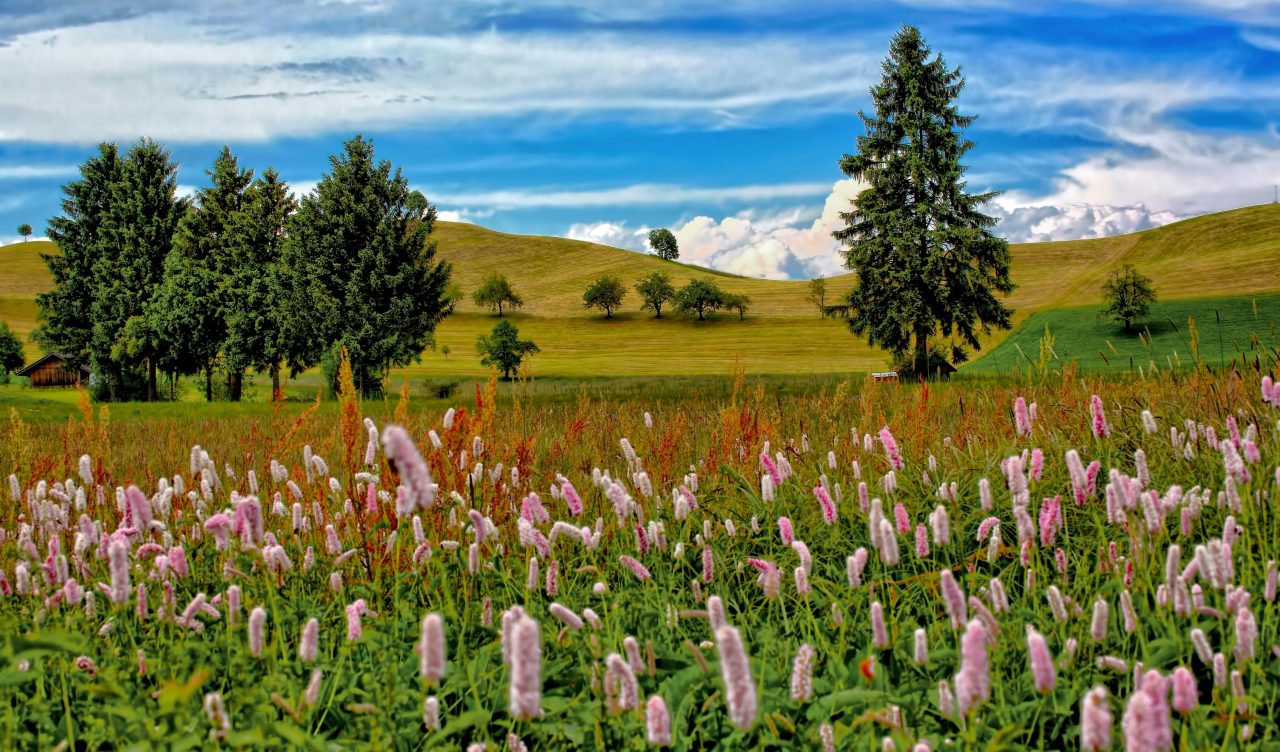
54,373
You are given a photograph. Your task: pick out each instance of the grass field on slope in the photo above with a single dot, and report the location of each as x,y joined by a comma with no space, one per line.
1230,328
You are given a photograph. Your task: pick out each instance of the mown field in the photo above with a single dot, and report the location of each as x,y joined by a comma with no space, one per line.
1228,254
1176,334
859,562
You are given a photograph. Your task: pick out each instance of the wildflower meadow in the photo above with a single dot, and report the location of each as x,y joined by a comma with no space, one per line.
1054,563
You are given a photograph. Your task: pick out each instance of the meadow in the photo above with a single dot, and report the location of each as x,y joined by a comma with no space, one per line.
1057,562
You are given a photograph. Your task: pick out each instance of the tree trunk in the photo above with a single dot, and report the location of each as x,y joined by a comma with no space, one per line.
236,385
275,382
208,382
151,379
922,354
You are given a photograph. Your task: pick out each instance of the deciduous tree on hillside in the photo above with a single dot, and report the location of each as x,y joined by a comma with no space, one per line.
664,245
655,290
606,294
927,261
495,293
24,230
700,296
503,349
736,301
1129,295
817,294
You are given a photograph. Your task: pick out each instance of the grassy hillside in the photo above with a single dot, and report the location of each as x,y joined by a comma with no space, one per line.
1228,328
1227,254
22,275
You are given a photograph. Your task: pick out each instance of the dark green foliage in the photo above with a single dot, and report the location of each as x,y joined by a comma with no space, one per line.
1128,294
700,296
143,217
116,229
656,291
605,293
190,310
25,231
664,244
503,349
66,322
495,293
11,356
926,258
361,273
255,333
734,301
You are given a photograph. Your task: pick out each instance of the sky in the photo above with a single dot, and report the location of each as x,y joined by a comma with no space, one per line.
724,120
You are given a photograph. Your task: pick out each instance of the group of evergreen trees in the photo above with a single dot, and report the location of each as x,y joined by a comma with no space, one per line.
242,276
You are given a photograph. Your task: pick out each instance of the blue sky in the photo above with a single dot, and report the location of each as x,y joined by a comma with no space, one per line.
599,119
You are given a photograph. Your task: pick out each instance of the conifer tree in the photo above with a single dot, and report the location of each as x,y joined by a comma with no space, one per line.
359,271
143,217
927,261
65,311
255,331
190,309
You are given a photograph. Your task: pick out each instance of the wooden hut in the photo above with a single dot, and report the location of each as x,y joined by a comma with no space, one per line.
55,369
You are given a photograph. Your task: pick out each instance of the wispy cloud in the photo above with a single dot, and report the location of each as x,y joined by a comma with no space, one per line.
36,172
172,78
643,194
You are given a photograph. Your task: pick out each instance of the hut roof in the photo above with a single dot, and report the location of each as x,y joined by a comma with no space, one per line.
51,357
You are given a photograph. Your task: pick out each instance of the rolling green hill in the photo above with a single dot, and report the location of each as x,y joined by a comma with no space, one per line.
1234,253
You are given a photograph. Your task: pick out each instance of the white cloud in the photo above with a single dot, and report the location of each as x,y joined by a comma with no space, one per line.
615,234
30,172
178,78
1026,224
789,244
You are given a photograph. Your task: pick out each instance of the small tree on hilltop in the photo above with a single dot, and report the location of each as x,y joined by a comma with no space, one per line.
606,294
24,230
495,293
700,296
664,244
736,301
655,290
1129,295
503,349
817,294
11,358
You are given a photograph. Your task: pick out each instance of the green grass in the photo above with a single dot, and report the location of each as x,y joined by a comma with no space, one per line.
1230,253
1229,329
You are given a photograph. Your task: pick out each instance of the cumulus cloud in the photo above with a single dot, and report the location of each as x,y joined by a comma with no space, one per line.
792,243
616,234
1029,224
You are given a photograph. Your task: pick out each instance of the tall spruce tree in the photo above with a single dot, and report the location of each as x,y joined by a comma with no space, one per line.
926,259
361,273
190,309
255,333
65,311
143,217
